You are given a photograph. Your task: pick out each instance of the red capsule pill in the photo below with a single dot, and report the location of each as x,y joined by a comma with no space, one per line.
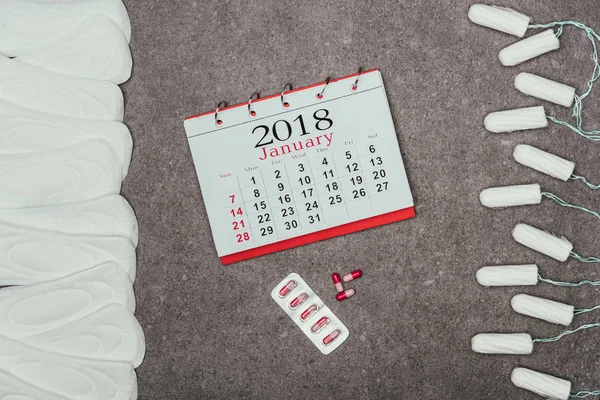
331,337
320,324
353,275
337,281
344,295
287,288
298,300
308,312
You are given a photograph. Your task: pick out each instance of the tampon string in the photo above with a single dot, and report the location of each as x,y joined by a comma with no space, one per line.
578,99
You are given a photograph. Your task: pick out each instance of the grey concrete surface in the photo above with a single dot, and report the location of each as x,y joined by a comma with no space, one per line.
213,332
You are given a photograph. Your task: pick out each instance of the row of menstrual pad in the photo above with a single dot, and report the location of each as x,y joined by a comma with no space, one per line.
67,237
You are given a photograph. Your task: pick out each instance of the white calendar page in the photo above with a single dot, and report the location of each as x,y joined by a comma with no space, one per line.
289,176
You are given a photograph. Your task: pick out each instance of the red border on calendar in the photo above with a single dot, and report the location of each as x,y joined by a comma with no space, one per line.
328,233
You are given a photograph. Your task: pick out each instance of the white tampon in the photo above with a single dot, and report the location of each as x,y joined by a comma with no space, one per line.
529,48
508,275
507,196
542,161
59,94
545,89
499,18
544,242
548,310
516,120
26,25
502,343
545,385
97,49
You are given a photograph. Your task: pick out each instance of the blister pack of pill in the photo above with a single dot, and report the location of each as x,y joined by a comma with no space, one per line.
309,312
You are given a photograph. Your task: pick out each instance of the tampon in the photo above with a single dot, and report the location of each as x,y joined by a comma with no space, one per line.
499,18
544,242
502,343
545,89
508,275
97,49
529,48
545,385
547,310
26,25
516,120
542,161
507,196
59,94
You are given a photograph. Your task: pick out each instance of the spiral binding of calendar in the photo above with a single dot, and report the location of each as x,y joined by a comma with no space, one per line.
256,96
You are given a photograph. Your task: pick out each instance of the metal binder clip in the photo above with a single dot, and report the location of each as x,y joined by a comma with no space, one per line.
320,95
218,122
285,104
250,111
355,86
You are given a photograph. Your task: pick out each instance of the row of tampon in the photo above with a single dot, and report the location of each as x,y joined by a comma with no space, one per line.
67,238
515,23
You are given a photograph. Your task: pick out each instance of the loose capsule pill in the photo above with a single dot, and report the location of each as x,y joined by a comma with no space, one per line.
353,275
337,281
344,295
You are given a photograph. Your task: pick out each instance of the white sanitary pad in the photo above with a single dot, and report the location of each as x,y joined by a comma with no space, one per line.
74,378
107,216
88,314
70,174
23,130
59,94
26,25
65,299
111,333
97,49
12,388
29,256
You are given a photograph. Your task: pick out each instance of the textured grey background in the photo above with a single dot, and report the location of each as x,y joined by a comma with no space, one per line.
214,332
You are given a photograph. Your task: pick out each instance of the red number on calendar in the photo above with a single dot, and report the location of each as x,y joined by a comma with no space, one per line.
238,225
232,197
235,212
241,238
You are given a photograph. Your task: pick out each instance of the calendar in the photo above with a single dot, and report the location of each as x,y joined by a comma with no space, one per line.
301,166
